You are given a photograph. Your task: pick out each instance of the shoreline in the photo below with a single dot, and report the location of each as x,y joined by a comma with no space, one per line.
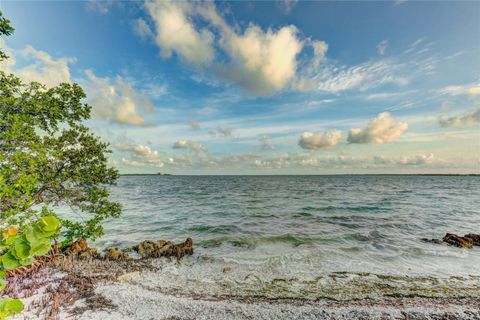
94,288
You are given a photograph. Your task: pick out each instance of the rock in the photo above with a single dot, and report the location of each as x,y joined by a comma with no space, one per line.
437,241
89,253
227,269
116,254
182,249
162,248
146,248
81,249
78,246
462,242
475,238
166,250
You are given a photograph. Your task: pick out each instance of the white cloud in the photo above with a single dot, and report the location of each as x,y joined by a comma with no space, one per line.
100,6
175,32
468,119
363,76
186,144
266,143
260,61
383,128
470,90
116,100
319,51
141,28
40,66
140,155
312,141
382,46
287,5
422,159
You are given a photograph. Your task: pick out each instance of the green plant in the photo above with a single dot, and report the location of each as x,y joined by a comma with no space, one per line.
19,248
9,307
49,158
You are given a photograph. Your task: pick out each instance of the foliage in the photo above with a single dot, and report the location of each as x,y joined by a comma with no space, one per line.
9,307
5,29
19,248
49,158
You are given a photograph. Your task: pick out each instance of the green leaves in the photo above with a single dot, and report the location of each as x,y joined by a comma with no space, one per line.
48,158
49,223
9,261
23,246
10,307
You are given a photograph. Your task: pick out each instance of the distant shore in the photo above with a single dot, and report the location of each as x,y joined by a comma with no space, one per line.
339,174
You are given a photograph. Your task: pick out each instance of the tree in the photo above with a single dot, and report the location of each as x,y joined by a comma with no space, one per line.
48,157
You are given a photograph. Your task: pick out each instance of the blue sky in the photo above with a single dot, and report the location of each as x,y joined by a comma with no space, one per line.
265,87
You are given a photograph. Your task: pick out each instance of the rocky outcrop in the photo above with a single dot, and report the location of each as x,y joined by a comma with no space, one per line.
475,238
162,248
81,249
467,241
437,241
115,254
458,241
146,249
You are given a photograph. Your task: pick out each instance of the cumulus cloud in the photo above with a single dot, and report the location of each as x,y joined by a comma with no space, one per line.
260,61
40,66
312,141
140,155
185,144
468,119
175,32
383,128
421,159
382,47
116,100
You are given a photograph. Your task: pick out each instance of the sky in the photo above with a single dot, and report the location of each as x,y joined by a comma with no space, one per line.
265,87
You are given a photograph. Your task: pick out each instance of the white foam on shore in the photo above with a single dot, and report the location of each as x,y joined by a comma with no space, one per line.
135,302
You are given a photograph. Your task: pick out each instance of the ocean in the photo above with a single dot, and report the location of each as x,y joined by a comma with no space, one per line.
304,237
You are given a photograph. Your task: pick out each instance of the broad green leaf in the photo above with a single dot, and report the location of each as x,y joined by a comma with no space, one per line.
41,247
49,223
36,233
28,261
11,240
3,284
9,307
9,262
21,249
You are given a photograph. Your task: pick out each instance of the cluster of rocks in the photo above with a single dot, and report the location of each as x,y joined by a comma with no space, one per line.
79,248
467,241
146,249
162,248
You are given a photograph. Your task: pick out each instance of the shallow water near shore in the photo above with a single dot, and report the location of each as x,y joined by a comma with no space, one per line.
304,237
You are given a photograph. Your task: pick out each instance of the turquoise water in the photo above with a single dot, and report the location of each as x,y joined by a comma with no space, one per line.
305,236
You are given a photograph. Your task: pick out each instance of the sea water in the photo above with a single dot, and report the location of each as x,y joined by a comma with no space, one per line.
304,237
